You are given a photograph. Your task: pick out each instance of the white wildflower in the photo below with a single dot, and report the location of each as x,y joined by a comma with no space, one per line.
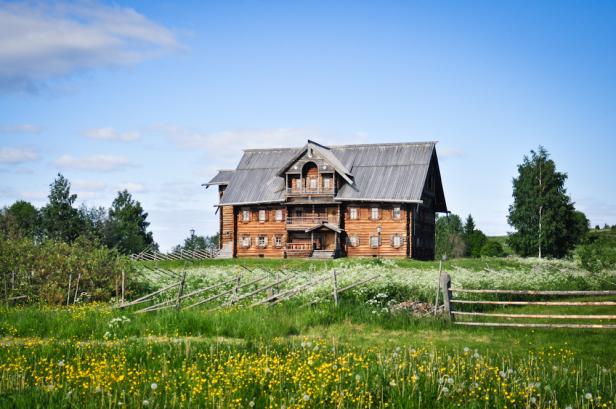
153,386
588,396
306,397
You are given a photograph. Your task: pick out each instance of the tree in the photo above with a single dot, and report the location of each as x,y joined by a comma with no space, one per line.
469,226
450,236
20,220
60,219
474,238
95,223
542,213
492,248
195,242
128,225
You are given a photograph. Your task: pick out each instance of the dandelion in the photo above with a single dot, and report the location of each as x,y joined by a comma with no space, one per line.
445,390
358,377
392,383
146,402
466,350
450,380
588,396
502,374
154,386
251,403
61,363
306,397
533,400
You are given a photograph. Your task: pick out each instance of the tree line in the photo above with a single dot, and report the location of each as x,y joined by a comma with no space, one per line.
123,226
543,216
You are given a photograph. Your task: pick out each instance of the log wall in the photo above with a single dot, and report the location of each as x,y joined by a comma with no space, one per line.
254,228
364,227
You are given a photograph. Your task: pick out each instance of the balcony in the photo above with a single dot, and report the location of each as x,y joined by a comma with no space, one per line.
306,191
311,220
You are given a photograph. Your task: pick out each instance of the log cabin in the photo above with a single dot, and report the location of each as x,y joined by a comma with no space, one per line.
370,200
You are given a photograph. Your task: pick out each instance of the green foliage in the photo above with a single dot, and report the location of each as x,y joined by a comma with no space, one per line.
598,255
196,242
449,236
60,219
492,248
41,271
542,213
20,220
127,225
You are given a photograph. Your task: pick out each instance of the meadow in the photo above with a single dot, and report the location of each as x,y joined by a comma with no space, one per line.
362,353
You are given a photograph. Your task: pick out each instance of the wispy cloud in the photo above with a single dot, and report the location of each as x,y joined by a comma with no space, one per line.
41,41
19,128
94,163
94,185
132,187
17,155
111,134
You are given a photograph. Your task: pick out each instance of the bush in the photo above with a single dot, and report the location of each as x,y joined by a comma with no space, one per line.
492,249
597,255
41,271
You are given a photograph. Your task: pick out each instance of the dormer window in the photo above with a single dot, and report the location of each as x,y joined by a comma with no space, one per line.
326,183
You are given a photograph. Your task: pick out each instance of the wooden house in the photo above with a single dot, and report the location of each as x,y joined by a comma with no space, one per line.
373,200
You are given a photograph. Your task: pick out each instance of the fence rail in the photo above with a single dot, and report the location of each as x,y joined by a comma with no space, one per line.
154,255
449,301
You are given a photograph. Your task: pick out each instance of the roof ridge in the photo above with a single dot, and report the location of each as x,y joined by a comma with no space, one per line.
359,145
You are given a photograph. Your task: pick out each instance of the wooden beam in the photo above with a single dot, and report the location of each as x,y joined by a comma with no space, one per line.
562,303
550,316
520,325
532,292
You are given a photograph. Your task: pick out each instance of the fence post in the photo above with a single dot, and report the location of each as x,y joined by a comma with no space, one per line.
68,295
446,287
335,285
77,288
178,301
123,280
236,289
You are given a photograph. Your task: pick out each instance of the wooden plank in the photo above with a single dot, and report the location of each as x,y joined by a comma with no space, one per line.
226,292
257,291
562,303
550,316
348,287
148,296
520,325
289,293
532,292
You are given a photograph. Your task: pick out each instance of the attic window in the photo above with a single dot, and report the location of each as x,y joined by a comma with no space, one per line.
310,152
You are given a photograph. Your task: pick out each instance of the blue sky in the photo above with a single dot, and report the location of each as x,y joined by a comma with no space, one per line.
155,96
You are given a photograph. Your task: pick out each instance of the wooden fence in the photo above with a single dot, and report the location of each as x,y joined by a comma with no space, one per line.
449,301
155,255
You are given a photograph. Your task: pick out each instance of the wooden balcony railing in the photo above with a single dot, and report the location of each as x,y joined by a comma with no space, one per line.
312,219
304,191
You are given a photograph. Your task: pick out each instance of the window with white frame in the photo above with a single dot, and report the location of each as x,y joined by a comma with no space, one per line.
278,215
245,242
327,183
245,215
278,240
313,183
396,241
395,213
353,213
354,240
262,241
262,215
375,213
374,241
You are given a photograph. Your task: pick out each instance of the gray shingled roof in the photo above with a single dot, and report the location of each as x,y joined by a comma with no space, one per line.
223,177
381,172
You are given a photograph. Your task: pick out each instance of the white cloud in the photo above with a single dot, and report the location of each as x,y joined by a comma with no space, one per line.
19,128
95,163
110,134
91,185
41,40
132,187
17,155
229,144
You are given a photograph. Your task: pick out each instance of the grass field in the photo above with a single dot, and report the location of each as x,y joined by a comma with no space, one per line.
359,354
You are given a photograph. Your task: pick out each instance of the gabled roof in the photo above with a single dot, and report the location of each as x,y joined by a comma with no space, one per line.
325,153
393,172
324,225
223,177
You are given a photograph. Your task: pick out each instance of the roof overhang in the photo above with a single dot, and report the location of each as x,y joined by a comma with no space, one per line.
250,203
353,199
325,225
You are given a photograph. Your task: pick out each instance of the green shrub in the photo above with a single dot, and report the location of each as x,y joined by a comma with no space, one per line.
492,249
598,255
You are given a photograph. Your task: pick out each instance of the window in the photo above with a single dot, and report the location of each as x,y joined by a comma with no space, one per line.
374,213
245,215
278,241
354,241
395,213
353,213
326,183
262,241
374,241
262,215
396,241
245,242
313,183
278,215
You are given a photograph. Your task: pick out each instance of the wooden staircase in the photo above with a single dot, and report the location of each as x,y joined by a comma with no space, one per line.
323,254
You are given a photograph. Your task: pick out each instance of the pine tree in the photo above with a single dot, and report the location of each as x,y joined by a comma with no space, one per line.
20,220
542,213
60,219
128,225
